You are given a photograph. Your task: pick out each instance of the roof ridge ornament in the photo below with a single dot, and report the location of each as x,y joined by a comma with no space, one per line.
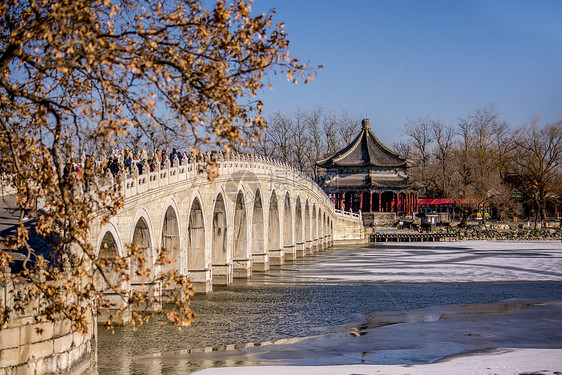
366,123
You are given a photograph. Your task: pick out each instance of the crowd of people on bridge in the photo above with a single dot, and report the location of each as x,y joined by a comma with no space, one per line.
84,168
125,161
143,162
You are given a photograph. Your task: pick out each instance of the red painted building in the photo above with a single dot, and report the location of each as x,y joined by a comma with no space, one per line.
446,205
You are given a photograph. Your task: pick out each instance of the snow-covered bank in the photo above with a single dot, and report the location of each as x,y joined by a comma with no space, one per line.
498,362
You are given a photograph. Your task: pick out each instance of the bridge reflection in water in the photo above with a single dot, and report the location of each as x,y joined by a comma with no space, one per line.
256,213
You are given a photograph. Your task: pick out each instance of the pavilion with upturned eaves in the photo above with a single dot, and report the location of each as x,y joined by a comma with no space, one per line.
367,176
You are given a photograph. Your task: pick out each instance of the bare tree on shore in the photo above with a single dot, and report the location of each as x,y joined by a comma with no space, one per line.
481,162
536,159
301,138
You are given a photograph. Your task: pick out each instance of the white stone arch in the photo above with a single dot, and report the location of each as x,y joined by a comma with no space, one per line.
109,246
287,221
143,230
258,224
240,239
170,236
111,228
219,230
319,224
196,253
314,223
307,223
274,232
299,238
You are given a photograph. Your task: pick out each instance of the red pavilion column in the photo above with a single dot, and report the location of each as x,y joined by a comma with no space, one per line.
340,198
370,201
410,208
380,201
361,201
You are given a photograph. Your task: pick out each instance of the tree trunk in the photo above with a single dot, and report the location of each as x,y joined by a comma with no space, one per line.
465,215
537,213
483,216
543,211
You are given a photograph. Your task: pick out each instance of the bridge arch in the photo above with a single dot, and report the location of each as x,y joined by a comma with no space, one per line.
258,235
307,226
219,245
171,239
109,246
324,226
196,259
273,233
143,236
331,231
314,225
110,235
298,221
319,222
287,222
319,227
240,236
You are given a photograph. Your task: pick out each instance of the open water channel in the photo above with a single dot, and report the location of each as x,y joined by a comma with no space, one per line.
378,304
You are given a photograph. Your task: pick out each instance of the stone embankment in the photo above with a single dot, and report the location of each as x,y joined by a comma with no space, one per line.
31,346
506,232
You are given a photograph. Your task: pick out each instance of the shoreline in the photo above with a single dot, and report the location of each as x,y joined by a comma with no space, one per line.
499,361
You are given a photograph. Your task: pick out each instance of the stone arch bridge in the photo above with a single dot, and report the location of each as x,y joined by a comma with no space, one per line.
256,213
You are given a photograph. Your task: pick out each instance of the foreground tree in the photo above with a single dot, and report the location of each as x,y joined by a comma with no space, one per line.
89,74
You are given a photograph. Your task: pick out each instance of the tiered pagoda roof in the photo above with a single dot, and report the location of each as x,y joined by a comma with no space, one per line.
365,164
364,151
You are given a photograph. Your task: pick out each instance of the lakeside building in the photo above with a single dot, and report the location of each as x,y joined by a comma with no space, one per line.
367,176
447,208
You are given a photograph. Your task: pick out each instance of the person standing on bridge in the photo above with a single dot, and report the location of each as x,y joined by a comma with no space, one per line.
173,156
165,161
114,166
127,160
88,172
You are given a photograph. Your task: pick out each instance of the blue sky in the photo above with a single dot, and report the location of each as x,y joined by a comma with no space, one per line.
396,60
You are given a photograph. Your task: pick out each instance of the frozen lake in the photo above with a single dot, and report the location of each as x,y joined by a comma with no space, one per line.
428,262
397,303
